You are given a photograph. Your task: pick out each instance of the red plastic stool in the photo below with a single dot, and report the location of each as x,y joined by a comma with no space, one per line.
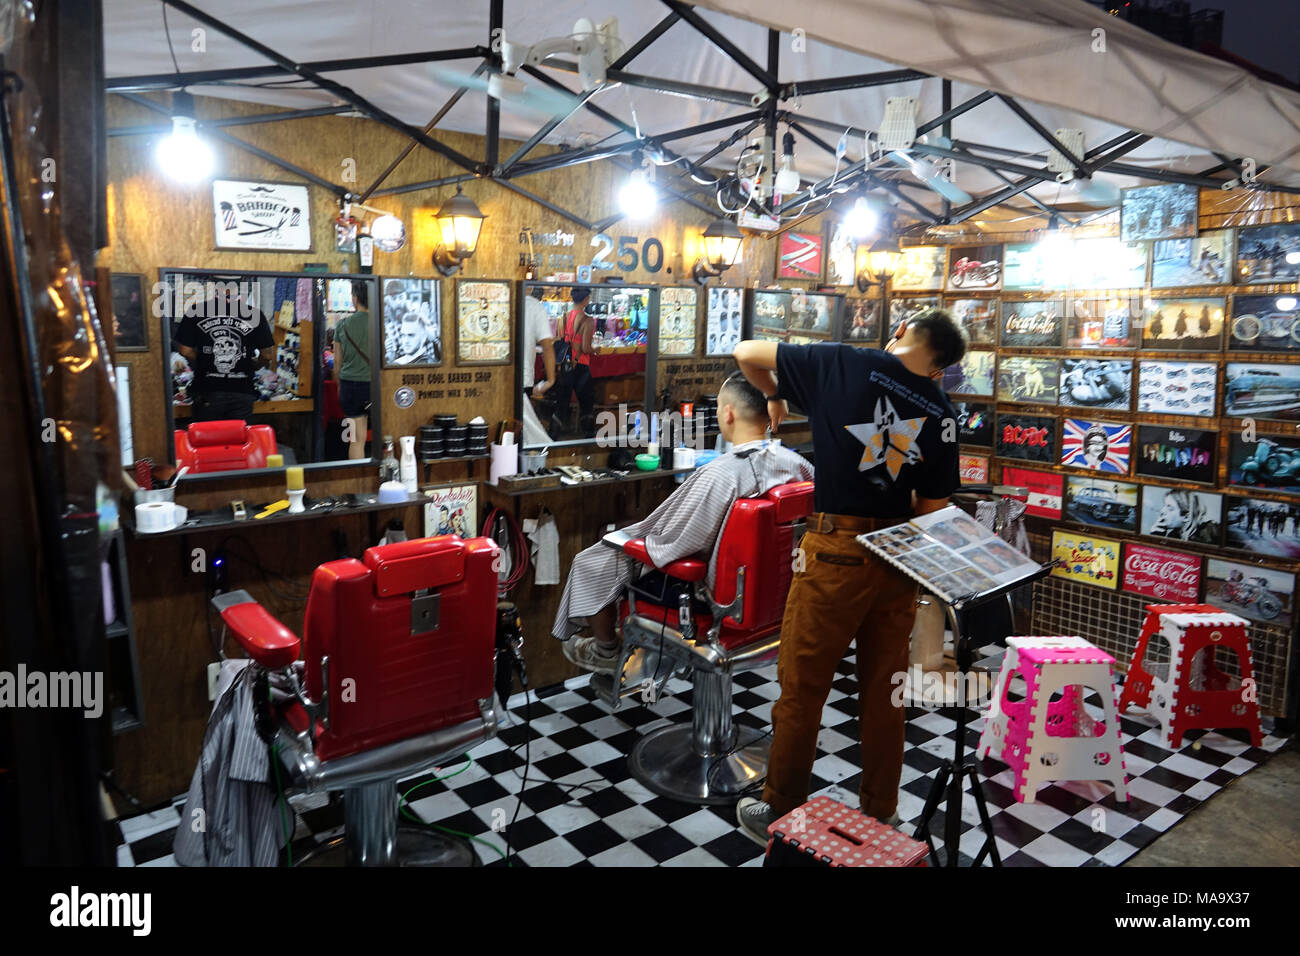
824,832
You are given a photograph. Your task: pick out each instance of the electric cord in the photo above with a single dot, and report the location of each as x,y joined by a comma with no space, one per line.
502,528
528,762
167,30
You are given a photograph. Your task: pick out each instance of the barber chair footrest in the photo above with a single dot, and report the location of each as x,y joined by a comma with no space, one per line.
666,762
643,668
415,847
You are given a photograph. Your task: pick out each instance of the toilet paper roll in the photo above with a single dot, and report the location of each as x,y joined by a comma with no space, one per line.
505,462
155,516
683,458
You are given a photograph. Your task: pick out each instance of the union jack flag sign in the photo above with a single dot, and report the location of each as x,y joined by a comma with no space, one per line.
1096,445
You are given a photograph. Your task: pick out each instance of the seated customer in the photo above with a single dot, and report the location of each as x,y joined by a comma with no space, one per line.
689,523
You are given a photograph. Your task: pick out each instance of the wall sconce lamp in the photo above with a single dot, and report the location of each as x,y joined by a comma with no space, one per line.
722,241
877,263
459,224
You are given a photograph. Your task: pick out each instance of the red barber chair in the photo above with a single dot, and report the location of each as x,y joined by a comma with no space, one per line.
395,684
224,446
712,760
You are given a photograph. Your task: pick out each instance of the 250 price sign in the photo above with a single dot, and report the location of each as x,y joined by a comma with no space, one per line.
650,256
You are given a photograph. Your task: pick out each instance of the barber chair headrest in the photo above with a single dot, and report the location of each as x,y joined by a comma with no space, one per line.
407,566
793,501
217,433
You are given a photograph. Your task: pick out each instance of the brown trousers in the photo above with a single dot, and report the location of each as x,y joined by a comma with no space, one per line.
843,596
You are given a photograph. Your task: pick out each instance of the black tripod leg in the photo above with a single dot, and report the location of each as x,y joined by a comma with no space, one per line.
932,804
952,819
990,846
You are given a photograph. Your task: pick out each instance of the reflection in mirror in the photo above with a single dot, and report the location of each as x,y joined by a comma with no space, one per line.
262,364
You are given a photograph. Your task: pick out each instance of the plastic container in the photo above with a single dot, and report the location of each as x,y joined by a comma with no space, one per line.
647,462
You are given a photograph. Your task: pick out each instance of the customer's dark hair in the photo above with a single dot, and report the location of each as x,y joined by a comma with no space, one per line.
361,292
945,338
580,295
748,401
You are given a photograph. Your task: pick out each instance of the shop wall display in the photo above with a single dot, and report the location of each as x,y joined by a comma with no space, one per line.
1101,446
863,322
1159,212
1179,454
483,322
979,317
677,311
1262,390
1177,388
1097,383
1046,490
264,216
1204,260
723,321
974,469
1261,324
1260,594
1271,463
1104,323
841,247
905,308
920,269
1027,437
1100,501
813,313
1025,379
1087,560
1030,266
1033,324
973,375
974,423
130,330
1185,325
452,509
1262,253
1108,264
1265,527
412,322
1166,575
974,268
772,311
799,256
1181,514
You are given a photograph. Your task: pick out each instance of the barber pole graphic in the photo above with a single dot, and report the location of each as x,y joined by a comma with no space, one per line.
228,215
1157,573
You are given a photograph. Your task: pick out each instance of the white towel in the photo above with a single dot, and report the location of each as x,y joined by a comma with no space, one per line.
546,549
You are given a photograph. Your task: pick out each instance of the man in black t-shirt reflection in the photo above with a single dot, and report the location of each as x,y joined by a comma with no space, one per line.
226,339
885,442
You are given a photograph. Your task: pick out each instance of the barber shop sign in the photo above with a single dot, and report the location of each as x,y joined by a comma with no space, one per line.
268,216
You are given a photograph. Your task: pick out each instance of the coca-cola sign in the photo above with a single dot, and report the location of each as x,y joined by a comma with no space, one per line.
1167,575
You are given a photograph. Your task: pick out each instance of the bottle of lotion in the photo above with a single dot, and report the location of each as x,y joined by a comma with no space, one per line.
408,463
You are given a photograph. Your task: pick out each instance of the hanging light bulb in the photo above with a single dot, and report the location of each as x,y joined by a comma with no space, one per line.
182,155
638,198
787,177
861,220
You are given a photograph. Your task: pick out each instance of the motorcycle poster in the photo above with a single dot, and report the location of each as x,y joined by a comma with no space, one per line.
1087,560
973,375
1100,501
1184,263
1271,463
1184,325
1109,322
1108,264
1262,390
1159,212
1032,380
1261,594
1027,437
1268,254
1264,527
1182,515
1264,323
1033,324
1099,446
1097,383
1177,388
974,268
1177,454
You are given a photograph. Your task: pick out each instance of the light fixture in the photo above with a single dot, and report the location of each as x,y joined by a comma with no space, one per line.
459,223
861,220
787,177
722,241
1286,303
181,154
1293,258
638,198
878,264
389,233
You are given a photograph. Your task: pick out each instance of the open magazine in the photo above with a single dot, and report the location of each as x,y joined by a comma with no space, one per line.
949,553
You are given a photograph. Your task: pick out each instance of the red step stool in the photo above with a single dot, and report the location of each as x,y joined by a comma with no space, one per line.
824,832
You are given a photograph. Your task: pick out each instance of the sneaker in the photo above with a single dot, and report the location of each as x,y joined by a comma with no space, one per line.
754,817
585,652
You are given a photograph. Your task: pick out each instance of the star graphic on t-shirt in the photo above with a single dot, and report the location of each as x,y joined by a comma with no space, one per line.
889,440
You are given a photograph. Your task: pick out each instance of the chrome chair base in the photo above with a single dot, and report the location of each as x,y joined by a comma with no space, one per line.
414,847
667,763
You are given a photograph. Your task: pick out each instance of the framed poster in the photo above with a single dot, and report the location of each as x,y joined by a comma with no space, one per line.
841,255
1262,390
1184,325
1085,559
1031,266
1045,490
974,423
130,331
1166,575
1178,454
451,509
1025,379
920,269
412,322
974,268
1100,501
265,216
1272,463
1108,264
1100,446
974,469
1097,383
1268,254
979,317
1265,527
678,307
1037,324
905,308
973,375
799,256
1261,594
813,313
863,322
1177,388
1264,323
723,321
1204,260
1182,514
1027,437
1107,322
1159,212
482,322
771,311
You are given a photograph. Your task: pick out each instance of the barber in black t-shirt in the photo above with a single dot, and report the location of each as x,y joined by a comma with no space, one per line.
885,444
225,340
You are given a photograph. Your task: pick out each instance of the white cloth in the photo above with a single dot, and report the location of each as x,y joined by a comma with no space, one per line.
537,327
546,550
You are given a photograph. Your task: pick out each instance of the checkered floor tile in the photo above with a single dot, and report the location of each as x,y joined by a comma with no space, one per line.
581,806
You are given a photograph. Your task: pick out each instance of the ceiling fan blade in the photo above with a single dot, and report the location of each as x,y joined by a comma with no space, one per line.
532,98
928,174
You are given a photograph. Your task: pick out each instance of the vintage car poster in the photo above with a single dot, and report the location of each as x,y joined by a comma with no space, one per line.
1088,560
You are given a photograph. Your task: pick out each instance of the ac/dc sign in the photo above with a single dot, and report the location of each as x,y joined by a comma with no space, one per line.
1027,437
1033,437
